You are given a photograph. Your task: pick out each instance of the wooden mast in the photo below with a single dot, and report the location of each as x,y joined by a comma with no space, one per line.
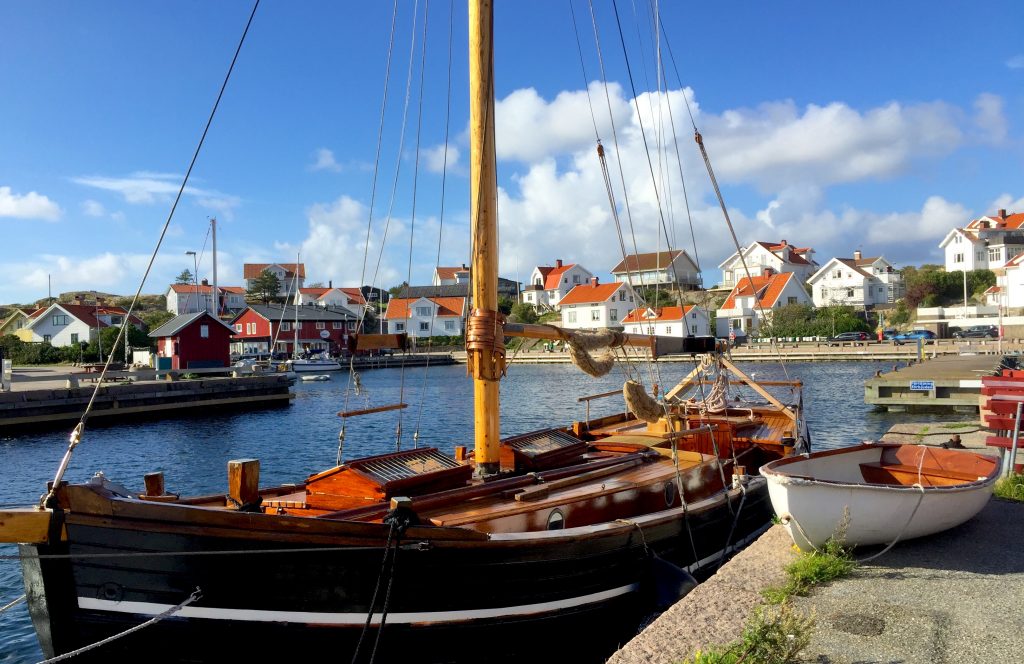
484,338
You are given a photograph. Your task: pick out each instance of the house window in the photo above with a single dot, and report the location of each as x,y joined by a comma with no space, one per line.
46,338
668,329
116,320
595,314
622,296
449,325
849,292
351,325
838,274
958,258
791,300
60,320
298,326
320,325
613,314
981,255
286,327
565,280
238,328
424,326
204,331
575,278
399,327
74,338
336,325
693,315
693,329
571,317
994,255
422,311
956,239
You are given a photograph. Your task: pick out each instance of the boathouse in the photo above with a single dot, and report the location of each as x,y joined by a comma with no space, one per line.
194,341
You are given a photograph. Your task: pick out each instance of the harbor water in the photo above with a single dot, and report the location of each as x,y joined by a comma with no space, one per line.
296,440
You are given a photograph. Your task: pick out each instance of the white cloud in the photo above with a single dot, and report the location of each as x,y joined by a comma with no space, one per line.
325,161
1016,62
434,158
93,208
145,187
1008,203
27,206
989,118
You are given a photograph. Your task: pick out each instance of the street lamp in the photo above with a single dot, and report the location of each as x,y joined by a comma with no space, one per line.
195,275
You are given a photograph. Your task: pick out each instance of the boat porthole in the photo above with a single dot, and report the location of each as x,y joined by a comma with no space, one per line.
670,494
110,591
556,521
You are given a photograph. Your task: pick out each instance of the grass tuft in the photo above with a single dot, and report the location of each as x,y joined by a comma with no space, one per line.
774,635
1010,488
832,561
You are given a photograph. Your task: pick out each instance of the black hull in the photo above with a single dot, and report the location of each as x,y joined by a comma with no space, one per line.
562,596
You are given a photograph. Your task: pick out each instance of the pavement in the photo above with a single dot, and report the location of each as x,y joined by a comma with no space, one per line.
953,597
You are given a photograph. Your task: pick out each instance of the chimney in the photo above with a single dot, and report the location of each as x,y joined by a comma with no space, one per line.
784,243
1002,213
856,255
769,271
558,262
593,280
205,282
330,283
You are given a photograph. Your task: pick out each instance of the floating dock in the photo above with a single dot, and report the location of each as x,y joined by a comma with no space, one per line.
27,408
939,383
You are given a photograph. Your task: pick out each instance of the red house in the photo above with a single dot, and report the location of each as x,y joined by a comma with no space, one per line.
194,341
263,328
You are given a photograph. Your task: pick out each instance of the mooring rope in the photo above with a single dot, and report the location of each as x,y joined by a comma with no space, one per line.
196,594
13,604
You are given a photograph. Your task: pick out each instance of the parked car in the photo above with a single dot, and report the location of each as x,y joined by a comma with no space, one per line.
889,334
847,336
926,336
977,332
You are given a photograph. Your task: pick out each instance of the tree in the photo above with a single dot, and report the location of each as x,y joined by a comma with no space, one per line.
505,304
656,297
265,287
524,312
185,277
396,291
156,318
108,335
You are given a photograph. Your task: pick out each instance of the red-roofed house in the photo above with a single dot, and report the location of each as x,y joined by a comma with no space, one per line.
594,305
857,282
349,298
192,298
659,268
285,273
741,311
426,316
449,276
63,324
986,243
690,320
775,256
550,283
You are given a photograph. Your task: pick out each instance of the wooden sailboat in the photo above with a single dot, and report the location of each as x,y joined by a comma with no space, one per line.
554,544
878,493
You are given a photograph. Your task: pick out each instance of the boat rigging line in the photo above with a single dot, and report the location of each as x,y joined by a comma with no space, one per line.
76,434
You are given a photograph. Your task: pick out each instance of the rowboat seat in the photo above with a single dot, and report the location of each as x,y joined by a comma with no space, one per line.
901,474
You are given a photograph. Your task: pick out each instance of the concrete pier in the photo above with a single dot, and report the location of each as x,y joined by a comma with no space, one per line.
940,383
27,408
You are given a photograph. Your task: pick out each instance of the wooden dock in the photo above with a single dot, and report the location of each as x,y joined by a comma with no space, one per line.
952,382
30,408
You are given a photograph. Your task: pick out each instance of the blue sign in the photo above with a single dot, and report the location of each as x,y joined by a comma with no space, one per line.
923,385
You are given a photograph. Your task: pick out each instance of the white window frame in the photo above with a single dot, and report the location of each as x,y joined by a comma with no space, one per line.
204,331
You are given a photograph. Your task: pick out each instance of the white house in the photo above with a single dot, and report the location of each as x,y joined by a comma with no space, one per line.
741,311
550,283
349,298
1009,289
426,316
690,320
286,273
763,256
858,282
674,269
595,305
65,324
192,298
449,276
986,243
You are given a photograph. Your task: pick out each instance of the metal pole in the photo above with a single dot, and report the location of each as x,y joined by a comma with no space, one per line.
1011,460
215,295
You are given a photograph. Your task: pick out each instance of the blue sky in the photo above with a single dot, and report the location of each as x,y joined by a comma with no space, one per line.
873,126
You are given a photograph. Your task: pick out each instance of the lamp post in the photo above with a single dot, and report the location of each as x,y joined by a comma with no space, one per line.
195,275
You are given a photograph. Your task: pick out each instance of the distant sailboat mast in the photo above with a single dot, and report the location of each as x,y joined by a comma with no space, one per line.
295,325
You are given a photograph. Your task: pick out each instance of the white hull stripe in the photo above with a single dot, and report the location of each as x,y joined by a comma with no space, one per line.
310,617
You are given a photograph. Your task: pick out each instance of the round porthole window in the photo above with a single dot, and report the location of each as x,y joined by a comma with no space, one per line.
670,494
556,521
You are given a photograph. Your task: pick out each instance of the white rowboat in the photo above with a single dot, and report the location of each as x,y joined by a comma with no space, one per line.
886,492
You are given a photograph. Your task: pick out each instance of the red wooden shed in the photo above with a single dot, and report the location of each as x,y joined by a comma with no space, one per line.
194,341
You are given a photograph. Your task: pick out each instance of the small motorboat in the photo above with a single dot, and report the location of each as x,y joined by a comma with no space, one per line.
878,493
316,377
